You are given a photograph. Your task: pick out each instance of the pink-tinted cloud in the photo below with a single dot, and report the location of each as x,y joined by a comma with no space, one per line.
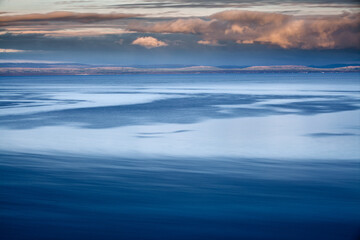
208,42
251,17
149,42
192,25
63,16
286,31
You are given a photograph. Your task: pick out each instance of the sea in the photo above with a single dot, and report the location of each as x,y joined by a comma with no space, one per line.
180,156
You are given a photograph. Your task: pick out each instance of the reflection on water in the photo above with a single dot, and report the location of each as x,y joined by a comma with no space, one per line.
221,156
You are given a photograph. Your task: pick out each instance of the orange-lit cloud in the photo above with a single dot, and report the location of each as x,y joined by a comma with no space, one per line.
241,27
208,42
149,42
192,25
286,31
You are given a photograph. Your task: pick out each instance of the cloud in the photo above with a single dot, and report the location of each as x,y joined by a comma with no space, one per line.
192,25
72,2
28,61
321,32
75,32
63,16
207,42
149,42
251,17
182,4
8,50
226,3
249,27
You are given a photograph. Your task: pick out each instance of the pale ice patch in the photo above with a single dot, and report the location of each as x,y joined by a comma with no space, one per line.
69,100
258,89
282,137
227,108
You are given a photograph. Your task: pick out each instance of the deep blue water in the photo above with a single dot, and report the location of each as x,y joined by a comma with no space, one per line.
218,156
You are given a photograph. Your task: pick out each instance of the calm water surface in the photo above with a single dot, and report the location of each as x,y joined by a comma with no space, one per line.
200,156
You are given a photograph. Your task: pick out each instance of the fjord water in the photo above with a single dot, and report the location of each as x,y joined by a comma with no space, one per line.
197,156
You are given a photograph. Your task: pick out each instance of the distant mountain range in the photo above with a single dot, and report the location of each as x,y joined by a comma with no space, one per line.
25,69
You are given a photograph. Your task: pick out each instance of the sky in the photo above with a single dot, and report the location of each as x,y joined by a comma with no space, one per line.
181,32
